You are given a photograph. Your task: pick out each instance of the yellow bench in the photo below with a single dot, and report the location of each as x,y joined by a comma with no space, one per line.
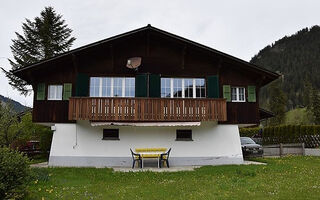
141,150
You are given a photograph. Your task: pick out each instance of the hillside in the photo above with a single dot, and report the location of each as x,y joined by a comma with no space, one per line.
297,57
18,107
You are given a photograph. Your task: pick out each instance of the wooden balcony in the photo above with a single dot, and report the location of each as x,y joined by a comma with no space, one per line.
146,109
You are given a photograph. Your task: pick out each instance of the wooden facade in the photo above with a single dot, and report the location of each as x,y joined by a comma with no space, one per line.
162,53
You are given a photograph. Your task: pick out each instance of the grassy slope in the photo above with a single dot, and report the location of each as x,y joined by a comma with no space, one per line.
298,116
285,178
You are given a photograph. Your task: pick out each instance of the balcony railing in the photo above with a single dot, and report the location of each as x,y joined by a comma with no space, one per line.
146,109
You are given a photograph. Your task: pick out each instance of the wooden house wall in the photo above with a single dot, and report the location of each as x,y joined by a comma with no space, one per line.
160,55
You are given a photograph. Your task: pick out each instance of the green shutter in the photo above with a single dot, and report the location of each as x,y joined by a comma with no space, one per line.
141,85
227,92
67,91
252,93
154,85
82,85
41,91
213,86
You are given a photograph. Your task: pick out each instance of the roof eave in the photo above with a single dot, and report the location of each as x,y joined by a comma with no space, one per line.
272,75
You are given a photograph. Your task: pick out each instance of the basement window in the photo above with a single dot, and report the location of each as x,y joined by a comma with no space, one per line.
110,134
184,135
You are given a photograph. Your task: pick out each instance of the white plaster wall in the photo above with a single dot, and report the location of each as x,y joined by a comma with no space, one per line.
209,140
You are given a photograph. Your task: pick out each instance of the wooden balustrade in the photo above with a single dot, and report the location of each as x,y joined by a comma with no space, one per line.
146,109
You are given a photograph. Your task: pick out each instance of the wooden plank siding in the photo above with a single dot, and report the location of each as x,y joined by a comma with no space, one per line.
242,113
50,111
146,109
161,55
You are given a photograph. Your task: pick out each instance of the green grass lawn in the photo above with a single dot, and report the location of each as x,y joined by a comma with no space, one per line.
283,178
298,116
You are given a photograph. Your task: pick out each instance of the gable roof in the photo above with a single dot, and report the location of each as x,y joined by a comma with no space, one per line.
270,74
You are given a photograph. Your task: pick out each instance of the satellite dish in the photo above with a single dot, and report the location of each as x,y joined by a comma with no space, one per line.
134,62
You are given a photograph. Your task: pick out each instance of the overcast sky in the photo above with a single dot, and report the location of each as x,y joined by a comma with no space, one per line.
238,27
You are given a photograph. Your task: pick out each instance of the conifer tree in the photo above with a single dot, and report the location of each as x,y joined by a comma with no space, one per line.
316,106
44,37
307,96
278,102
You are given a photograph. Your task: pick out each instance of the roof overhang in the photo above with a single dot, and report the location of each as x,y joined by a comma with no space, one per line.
267,75
146,124
265,114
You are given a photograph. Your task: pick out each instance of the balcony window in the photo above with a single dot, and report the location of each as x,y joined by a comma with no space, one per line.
55,92
177,87
166,87
183,88
238,94
188,88
200,88
112,87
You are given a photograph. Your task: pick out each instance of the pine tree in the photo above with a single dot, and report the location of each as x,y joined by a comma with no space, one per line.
277,103
307,97
42,38
316,106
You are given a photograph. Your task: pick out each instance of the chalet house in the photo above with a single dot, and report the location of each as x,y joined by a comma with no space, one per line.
145,88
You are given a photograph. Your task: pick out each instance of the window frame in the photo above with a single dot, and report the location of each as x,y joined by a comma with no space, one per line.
104,132
238,94
184,131
112,86
183,87
55,92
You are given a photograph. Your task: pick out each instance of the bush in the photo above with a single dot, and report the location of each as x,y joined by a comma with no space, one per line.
15,174
249,132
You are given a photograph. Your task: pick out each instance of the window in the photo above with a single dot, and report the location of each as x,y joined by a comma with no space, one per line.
184,135
110,134
55,92
177,87
166,87
238,94
188,88
183,88
112,87
117,87
200,88
129,87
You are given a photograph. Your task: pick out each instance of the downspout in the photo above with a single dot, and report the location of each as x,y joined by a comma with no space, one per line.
76,142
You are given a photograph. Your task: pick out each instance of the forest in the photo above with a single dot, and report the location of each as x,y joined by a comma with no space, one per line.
297,58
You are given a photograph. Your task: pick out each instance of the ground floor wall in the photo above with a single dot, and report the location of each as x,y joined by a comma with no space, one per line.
80,144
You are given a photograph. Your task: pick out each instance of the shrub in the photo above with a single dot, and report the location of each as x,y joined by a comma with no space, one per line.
310,130
14,174
249,132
